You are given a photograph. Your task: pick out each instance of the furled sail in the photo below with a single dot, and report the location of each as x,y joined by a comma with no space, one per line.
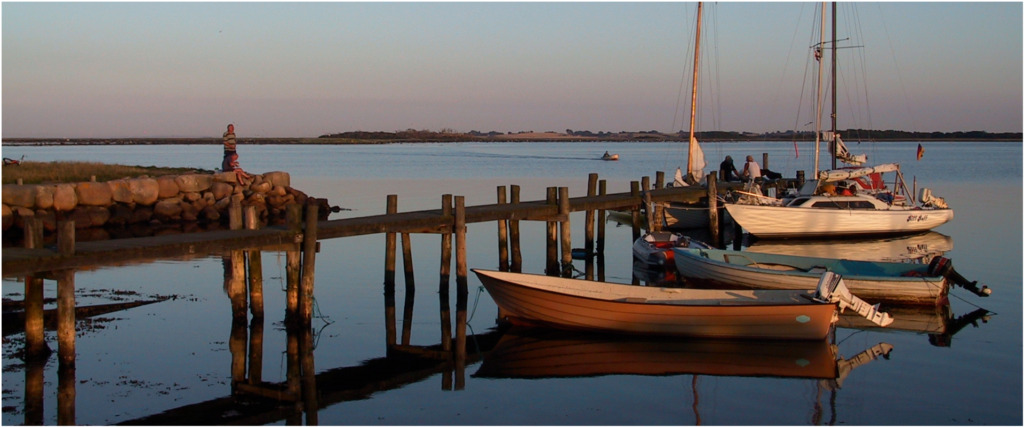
842,153
841,174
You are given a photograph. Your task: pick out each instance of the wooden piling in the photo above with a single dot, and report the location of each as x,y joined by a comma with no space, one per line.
390,316
566,235
764,160
390,243
35,339
513,228
34,369
645,187
66,237
588,233
446,268
634,190
293,264
502,234
308,262
552,237
251,222
410,288
66,317
602,189
713,206
256,350
461,271
659,209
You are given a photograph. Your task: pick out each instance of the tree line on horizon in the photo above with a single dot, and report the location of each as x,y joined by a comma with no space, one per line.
848,134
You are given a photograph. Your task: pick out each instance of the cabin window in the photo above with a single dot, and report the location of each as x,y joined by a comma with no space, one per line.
855,204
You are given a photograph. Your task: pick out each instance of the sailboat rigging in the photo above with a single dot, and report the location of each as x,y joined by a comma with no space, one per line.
864,207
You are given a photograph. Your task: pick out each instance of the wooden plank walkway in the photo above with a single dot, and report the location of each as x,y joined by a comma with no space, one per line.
18,262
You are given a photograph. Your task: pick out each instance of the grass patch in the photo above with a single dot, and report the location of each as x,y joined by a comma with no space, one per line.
63,172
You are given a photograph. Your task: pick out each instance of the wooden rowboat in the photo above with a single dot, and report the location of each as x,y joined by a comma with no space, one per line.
530,299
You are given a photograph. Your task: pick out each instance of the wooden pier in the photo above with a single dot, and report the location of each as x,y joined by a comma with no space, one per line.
240,247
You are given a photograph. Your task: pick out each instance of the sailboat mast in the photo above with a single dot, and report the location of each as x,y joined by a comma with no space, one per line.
835,138
817,99
693,99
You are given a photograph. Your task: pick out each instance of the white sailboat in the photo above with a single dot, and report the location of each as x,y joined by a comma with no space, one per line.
864,207
690,215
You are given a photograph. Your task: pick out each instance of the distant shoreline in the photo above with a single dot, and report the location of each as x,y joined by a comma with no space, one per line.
345,141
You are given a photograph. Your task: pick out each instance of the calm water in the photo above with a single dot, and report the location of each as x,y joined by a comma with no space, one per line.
168,355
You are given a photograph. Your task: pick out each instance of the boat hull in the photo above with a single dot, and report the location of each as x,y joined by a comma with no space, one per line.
527,299
875,282
783,221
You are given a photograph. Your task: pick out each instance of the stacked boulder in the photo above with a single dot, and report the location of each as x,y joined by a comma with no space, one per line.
172,199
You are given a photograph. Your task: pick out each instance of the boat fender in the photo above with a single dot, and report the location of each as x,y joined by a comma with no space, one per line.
942,266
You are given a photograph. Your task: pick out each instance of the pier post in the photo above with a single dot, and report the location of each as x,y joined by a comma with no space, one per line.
461,292
502,234
410,288
35,339
634,190
563,213
659,209
293,216
255,266
602,189
446,271
645,186
713,206
552,237
234,266
589,224
390,244
513,229
66,317
66,395
461,272
66,237
764,160
308,262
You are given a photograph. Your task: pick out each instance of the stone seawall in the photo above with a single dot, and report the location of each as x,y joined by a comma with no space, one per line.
193,201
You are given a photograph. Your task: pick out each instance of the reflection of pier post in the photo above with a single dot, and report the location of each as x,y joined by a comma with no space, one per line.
462,292
389,277
410,288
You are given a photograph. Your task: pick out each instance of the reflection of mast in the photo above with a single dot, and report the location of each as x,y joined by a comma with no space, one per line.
696,414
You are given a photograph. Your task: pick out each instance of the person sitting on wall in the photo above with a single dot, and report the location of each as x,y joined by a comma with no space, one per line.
231,165
728,171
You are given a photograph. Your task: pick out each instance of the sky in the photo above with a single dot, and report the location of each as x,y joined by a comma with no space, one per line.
121,70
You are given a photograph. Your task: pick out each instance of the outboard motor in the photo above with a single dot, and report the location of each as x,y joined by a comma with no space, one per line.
942,266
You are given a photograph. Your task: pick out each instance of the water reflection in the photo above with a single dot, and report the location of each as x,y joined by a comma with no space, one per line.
917,248
938,322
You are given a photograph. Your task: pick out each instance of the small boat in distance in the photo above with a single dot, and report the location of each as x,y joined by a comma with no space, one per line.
889,282
536,300
608,156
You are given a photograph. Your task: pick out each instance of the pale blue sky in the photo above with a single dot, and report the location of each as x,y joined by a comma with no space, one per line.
306,69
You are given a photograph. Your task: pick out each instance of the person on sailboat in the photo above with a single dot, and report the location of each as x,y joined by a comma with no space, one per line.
751,170
728,170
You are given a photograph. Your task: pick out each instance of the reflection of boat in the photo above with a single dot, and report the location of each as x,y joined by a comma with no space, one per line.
656,248
938,322
919,248
655,275
891,282
530,299
607,156
536,353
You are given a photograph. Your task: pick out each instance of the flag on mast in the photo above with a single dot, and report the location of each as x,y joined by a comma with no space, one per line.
920,151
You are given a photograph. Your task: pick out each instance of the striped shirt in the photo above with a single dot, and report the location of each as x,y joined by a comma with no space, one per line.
229,142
